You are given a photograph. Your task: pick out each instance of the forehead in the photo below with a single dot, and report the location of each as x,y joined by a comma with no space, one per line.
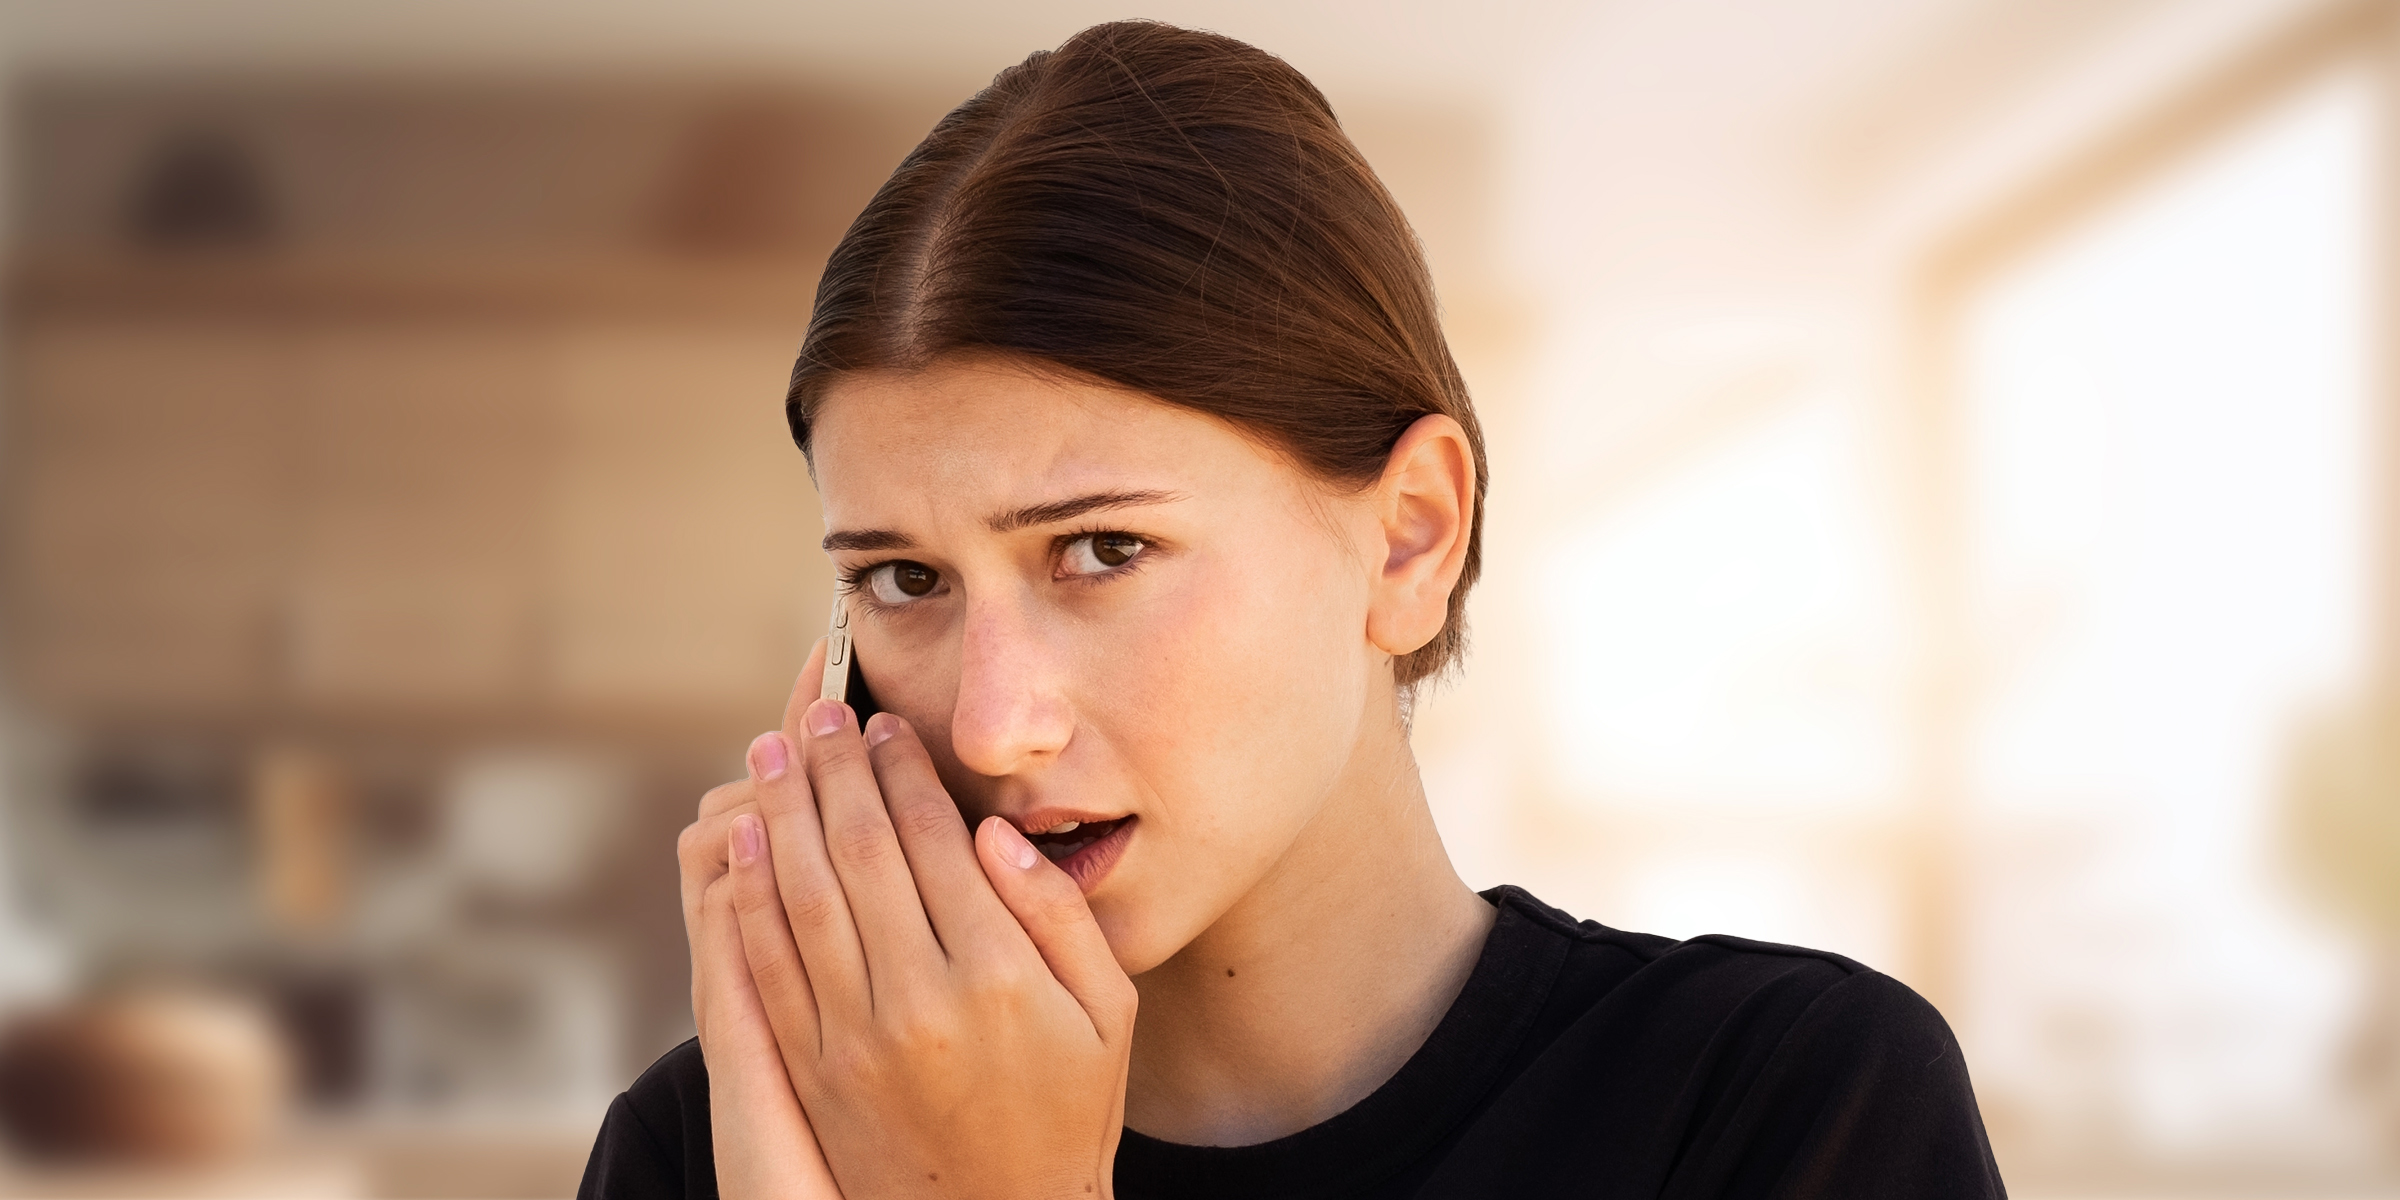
976,436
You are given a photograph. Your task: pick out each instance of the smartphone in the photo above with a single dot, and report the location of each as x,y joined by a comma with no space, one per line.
843,680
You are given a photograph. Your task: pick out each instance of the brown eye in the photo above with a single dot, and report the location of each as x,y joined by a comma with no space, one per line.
1094,553
901,582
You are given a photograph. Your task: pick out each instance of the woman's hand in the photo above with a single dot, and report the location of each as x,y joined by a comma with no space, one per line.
948,1011
764,1147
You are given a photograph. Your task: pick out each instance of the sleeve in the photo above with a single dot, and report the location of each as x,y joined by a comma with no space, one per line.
654,1142
1866,1096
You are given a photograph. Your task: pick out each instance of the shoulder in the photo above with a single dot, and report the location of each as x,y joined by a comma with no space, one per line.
674,1084
1710,972
654,1142
1759,1064
1719,988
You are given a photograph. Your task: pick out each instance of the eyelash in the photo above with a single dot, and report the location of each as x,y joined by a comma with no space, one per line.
1058,547
854,581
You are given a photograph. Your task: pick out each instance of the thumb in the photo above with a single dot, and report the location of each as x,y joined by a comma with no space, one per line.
1050,907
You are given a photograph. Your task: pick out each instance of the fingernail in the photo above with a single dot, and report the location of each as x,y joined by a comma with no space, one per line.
881,727
749,838
1013,845
769,756
825,716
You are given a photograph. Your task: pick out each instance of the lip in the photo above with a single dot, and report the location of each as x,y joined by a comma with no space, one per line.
1088,866
1040,819
1091,863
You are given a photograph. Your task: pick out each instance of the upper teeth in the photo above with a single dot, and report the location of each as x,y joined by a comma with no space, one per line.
1064,827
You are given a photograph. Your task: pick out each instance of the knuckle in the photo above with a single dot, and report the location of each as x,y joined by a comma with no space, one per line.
789,794
926,819
723,796
750,900
692,845
720,890
836,754
920,1029
862,843
779,977
851,1066
999,986
1064,905
812,908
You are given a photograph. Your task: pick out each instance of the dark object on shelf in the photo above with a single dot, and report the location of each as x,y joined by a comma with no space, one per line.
743,184
323,1018
132,783
201,190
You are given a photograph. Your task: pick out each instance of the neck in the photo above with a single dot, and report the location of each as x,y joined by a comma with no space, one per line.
1313,989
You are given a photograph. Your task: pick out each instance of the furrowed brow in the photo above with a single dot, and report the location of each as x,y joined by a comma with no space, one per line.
1076,506
866,539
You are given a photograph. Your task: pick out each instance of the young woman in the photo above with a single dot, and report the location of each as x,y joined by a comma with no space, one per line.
1155,493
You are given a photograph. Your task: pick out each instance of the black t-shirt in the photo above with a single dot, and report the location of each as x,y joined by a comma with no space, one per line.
1578,1061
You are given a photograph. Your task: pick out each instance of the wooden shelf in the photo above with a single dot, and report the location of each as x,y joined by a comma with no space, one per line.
436,496
390,283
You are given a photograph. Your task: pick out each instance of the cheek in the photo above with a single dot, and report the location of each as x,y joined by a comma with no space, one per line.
1236,712
913,674
1234,720
1240,661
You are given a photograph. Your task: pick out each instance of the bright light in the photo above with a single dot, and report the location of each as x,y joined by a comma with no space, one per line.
2169,452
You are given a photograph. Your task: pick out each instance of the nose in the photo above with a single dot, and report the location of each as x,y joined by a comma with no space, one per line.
1012,712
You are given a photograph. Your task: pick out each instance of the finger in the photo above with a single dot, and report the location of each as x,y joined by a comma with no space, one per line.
719,962
815,904
764,1145
700,849
1051,909
701,852
816,908
966,914
805,691
776,971
865,852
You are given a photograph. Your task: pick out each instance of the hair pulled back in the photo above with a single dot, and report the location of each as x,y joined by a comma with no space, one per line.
1169,211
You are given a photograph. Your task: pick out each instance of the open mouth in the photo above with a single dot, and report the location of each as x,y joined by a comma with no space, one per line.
1063,840
1085,850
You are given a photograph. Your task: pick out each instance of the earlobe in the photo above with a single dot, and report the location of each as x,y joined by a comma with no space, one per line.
1426,505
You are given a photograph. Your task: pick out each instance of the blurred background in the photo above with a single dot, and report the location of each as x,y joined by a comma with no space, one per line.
1946,509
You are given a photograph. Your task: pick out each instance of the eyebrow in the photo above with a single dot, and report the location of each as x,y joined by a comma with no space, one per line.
866,539
1073,507
1047,513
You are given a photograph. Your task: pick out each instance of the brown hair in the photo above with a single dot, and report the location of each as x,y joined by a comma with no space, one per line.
1172,212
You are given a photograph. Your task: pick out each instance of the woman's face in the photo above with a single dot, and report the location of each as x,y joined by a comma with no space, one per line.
1098,608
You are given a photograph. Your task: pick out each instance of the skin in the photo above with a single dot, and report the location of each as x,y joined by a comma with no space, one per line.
910,1010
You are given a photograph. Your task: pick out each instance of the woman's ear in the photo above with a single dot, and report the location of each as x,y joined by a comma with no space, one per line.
1426,505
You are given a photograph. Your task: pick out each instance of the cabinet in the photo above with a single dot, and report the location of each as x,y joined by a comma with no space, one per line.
151,498
683,536
454,509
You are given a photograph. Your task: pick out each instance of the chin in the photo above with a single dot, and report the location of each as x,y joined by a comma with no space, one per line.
1138,944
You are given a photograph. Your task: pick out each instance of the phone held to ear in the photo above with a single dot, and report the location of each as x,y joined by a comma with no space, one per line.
843,681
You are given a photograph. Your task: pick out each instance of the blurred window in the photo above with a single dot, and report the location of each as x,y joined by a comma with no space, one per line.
1722,679
1721,633
2164,429
2166,432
